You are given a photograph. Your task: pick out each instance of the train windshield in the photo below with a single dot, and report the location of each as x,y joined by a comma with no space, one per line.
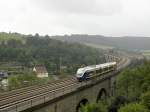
80,74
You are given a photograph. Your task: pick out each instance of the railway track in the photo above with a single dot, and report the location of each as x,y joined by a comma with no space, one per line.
25,89
14,99
42,95
28,93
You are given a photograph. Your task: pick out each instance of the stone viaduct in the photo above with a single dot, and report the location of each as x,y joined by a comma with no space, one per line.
71,102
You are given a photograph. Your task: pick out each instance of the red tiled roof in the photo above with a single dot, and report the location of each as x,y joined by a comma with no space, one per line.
40,69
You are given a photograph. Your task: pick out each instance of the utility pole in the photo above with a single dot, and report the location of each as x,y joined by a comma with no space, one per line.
60,59
95,65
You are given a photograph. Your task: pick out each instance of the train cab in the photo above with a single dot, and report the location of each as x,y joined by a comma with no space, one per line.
80,75
84,73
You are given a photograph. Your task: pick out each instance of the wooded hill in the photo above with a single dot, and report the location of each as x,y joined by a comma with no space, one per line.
127,43
29,50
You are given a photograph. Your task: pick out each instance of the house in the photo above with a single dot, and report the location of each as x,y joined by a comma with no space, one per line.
3,75
3,79
40,71
4,83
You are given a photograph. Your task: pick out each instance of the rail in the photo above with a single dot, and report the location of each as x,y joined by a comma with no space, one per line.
25,98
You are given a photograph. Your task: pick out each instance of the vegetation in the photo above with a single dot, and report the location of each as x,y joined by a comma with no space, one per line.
138,82
132,91
20,53
146,52
100,107
145,99
11,36
126,43
24,80
57,56
133,107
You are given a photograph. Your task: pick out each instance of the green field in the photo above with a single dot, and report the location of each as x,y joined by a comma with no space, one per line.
146,53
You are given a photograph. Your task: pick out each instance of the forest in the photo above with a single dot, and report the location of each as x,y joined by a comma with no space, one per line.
28,51
20,53
132,92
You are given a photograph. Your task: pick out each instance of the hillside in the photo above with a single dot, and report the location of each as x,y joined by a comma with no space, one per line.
128,43
42,50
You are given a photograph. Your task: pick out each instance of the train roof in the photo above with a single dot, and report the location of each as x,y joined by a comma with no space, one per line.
107,64
94,67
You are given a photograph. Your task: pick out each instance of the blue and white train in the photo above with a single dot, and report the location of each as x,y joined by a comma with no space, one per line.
95,70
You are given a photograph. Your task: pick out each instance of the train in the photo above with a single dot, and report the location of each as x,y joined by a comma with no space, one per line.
88,72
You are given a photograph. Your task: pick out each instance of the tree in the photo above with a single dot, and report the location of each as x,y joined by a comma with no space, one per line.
133,107
125,84
115,105
13,82
145,99
146,83
44,50
131,83
22,80
100,107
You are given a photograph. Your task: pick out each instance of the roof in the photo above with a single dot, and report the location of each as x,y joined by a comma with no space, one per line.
107,64
40,69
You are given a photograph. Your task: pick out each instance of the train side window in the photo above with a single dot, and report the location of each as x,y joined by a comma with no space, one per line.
111,67
91,72
99,71
86,74
105,68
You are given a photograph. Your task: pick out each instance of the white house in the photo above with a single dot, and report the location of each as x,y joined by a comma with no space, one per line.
40,71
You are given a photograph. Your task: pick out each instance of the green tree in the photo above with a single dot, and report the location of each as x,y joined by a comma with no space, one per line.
13,82
43,50
133,107
100,107
128,84
145,99
131,83
22,80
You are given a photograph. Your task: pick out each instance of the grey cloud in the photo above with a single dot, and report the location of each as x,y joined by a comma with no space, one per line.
105,17
100,7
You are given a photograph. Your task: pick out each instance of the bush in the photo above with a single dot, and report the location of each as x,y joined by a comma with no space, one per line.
133,107
116,103
131,83
145,99
22,80
100,107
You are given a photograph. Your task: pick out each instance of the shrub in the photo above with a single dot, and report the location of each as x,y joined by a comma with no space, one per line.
145,99
133,107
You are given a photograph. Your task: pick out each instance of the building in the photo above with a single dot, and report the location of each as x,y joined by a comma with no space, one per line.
3,80
3,75
40,71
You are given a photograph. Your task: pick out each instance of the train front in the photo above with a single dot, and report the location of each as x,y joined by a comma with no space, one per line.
80,74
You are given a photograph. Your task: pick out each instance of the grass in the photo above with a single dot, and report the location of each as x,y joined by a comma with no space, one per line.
146,53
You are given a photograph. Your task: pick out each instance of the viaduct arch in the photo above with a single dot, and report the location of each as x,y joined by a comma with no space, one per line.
88,94
81,103
102,95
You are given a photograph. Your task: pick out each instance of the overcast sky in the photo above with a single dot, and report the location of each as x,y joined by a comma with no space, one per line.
104,17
